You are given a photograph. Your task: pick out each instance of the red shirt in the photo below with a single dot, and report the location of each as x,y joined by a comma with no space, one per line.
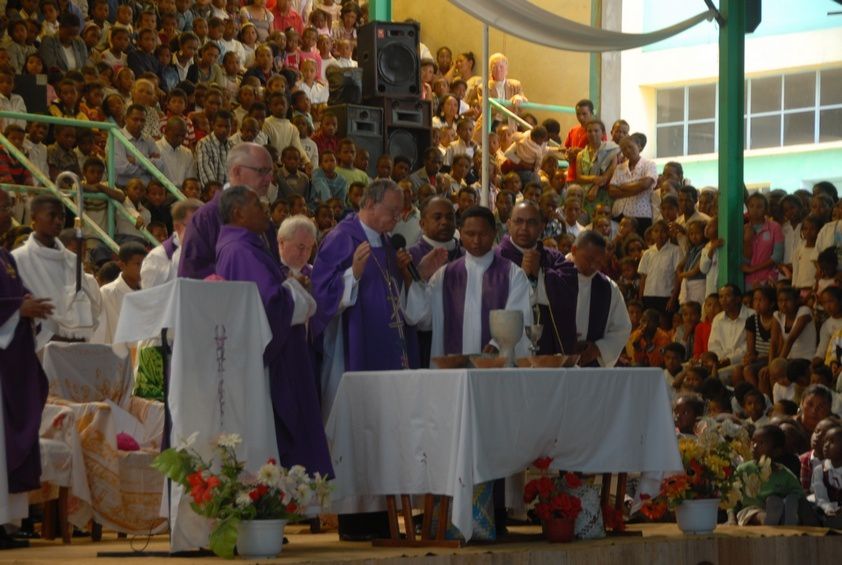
326,143
290,19
577,138
700,338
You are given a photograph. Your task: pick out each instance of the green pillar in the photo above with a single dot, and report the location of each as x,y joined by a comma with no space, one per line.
731,136
595,62
380,10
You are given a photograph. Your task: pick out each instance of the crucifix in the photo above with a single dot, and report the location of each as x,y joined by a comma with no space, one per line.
397,321
220,337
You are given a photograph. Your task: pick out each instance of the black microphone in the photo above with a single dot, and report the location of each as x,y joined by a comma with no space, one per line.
399,242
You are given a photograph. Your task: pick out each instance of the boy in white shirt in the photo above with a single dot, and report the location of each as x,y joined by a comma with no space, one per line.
658,288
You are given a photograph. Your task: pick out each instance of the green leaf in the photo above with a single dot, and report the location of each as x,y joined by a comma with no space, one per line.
173,464
223,538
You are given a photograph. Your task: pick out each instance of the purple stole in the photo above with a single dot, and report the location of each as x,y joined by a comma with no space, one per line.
563,292
550,259
169,247
421,248
495,293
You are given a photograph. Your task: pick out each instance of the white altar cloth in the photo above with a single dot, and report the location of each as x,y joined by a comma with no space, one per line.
444,431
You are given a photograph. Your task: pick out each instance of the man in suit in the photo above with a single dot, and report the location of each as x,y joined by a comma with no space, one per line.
65,51
500,85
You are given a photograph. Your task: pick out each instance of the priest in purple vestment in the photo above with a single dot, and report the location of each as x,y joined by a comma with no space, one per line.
357,284
460,295
581,293
241,255
438,226
249,164
22,380
523,246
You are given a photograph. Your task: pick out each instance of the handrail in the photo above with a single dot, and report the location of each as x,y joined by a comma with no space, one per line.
496,102
142,159
536,106
113,131
88,221
48,184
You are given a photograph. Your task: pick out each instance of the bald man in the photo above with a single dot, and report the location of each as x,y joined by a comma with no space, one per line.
248,165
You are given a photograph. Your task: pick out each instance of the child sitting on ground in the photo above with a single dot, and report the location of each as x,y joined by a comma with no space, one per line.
827,480
647,342
689,409
754,406
815,456
685,332
779,496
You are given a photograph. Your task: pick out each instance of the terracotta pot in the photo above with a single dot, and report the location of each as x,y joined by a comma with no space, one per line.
558,530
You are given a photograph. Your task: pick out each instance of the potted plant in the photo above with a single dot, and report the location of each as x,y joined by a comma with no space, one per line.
555,506
250,511
710,459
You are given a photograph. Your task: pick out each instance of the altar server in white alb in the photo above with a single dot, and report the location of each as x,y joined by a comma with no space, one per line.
458,298
581,293
48,270
130,257
161,265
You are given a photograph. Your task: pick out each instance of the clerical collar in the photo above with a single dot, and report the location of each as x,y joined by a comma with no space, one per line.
449,245
483,261
585,277
522,249
371,235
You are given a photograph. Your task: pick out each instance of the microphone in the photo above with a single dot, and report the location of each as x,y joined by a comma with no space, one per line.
399,242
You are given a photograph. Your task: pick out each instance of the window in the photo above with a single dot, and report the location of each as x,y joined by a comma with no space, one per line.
789,109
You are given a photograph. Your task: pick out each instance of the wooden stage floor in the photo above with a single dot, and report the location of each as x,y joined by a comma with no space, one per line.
660,543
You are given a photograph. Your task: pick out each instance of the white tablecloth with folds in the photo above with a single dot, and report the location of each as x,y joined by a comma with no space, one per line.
442,432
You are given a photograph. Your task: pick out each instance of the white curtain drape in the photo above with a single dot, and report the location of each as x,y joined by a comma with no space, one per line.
527,21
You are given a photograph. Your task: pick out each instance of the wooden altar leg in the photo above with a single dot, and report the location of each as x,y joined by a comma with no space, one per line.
96,531
605,493
406,508
48,521
426,526
63,510
438,540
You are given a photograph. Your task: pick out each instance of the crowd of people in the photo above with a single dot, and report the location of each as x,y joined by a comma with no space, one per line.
617,260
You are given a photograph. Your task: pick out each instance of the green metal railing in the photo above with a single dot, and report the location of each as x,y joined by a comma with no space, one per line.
114,135
504,105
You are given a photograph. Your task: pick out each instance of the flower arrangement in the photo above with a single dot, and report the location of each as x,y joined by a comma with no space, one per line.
710,459
553,500
222,489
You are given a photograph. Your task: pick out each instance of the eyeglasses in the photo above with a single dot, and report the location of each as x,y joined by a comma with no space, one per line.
262,171
532,222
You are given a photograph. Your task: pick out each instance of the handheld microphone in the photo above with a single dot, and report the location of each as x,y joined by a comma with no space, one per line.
399,242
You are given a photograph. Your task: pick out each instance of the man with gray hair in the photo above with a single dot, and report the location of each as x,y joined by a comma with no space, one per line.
242,255
248,165
358,285
296,240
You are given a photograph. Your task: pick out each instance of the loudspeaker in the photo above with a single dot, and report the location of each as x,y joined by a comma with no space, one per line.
363,124
388,54
407,127
33,90
345,85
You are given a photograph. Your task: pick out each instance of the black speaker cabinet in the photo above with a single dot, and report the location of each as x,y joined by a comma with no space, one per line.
363,124
407,127
388,54
33,90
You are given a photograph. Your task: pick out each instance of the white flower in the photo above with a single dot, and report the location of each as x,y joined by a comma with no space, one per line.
298,473
229,440
269,475
243,499
184,444
304,494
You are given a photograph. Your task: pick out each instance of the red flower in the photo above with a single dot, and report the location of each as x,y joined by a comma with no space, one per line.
542,463
545,487
258,492
530,491
573,481
195,479
213,482
292,507
696,472
543,511
654,510
271,461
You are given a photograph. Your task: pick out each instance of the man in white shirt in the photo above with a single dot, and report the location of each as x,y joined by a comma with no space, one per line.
727,333
130,258
458,298
178,161
126,165
161,264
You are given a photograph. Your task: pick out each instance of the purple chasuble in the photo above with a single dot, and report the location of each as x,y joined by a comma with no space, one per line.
24,386
241,255
198,253
562,286
421,248
373,339
170,246
550,259
495,294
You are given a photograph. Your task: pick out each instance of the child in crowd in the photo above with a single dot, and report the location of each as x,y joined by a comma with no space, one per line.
754,406
763,336
345,158
689,409
805,255
685,331
526,153
831,299
798,332
710,309
126,230
629,281
826,482
827,267
779,496
658,266
674,354
61,155
645,345
691,278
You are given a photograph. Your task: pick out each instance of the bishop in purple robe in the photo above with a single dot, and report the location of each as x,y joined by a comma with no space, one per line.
241,255
522,245
438,226
23,382
249,165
